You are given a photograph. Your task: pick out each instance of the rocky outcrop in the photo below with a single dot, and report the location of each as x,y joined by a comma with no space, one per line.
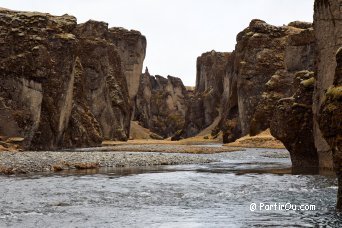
105,83
229,122
161,104
328,26
62,84
260,51
298,55
38,53
204,102
131,46
260,72
327,99
292,122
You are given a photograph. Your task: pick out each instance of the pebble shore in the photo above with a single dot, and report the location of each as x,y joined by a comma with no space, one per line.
33,162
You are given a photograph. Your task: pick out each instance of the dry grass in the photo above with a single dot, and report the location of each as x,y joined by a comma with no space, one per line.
139,132
262,140
169,148
197,140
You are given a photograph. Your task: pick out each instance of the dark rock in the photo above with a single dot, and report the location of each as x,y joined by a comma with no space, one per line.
259,53
161,104
292,122
327,27
131,46
204,103
105,83
330,121
63,84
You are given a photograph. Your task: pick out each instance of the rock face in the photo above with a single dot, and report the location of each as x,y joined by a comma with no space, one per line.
260,72
328,26
292,122
259,54
229,122
62,84
327,99
288,99
38,53
105,83
161,104
299,55
204,103
131,46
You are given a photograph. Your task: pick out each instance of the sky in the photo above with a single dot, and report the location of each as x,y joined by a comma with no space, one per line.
177,31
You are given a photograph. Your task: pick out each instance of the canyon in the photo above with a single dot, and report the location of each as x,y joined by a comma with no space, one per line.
67,85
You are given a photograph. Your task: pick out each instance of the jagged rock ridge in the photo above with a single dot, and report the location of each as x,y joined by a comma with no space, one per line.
63,84
161,104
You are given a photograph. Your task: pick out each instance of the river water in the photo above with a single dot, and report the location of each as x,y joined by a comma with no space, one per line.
208,195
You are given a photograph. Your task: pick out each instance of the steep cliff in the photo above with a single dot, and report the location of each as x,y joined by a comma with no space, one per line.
204,103
298,55
161,104
327,98
229,121
105,83
327,26
256,76
38,53
62,84
260,51
292,122
131,46
288,99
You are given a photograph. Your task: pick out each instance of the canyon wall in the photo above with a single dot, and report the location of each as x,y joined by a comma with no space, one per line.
63,84
328,89
131,46
259,53
161,104
204,102
292,120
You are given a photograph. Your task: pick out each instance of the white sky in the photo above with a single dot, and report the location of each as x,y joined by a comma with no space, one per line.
177,31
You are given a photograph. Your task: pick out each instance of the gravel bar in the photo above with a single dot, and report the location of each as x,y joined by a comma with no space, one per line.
30,162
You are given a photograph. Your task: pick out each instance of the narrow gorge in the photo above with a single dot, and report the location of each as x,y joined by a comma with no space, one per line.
66,85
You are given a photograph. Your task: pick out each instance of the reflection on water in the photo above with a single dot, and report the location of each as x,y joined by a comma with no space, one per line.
209,195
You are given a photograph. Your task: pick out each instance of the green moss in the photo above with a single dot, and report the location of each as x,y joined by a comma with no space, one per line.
66,36
301,105
308,82
331,107
335,92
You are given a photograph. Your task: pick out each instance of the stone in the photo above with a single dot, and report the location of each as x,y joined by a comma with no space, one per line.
105,83
131,46
161,104
63,84
292,123
204,102
327,27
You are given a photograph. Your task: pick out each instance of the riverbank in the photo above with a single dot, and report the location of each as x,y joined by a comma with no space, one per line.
35,162
164,146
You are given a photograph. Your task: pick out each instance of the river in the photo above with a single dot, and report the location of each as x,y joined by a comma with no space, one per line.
217,194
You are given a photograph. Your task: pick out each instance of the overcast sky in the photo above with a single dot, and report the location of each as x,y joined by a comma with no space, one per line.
177,31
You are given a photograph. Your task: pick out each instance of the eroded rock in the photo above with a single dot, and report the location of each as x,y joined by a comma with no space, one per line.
204,102
161,104
63,84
